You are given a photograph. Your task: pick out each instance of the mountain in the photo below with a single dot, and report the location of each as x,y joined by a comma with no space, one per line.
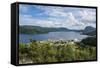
38,29
89,31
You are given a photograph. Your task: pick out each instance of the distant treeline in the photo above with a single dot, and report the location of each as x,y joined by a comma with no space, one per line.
38,29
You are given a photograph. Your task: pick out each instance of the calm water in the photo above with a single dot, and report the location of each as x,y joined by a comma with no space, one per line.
24,38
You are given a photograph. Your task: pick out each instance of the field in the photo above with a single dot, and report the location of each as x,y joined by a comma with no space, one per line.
55,51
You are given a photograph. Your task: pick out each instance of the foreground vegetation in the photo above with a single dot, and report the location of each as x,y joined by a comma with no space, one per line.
55,51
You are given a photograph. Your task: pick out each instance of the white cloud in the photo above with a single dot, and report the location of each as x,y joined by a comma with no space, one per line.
72,23
88,16
59,17
28,20
51,22
52,11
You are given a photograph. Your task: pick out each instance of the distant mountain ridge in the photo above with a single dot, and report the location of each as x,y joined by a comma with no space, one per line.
38,29
89,31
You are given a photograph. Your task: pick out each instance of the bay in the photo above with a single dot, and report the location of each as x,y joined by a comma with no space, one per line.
25,38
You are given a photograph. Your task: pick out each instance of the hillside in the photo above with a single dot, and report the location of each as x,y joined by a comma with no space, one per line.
89,31
38,29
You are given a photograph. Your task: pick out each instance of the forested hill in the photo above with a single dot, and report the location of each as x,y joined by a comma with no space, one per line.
89,31
92,40
38,29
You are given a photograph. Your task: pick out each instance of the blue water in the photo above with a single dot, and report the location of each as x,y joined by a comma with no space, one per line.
24,38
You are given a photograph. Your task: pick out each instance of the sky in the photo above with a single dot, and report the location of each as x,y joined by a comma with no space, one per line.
52,16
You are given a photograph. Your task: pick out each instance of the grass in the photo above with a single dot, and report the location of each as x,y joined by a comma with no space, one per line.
54,51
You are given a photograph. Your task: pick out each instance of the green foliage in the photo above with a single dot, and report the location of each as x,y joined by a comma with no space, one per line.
54,51
91,41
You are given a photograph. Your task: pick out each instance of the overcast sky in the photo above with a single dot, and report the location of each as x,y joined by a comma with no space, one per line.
51,16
